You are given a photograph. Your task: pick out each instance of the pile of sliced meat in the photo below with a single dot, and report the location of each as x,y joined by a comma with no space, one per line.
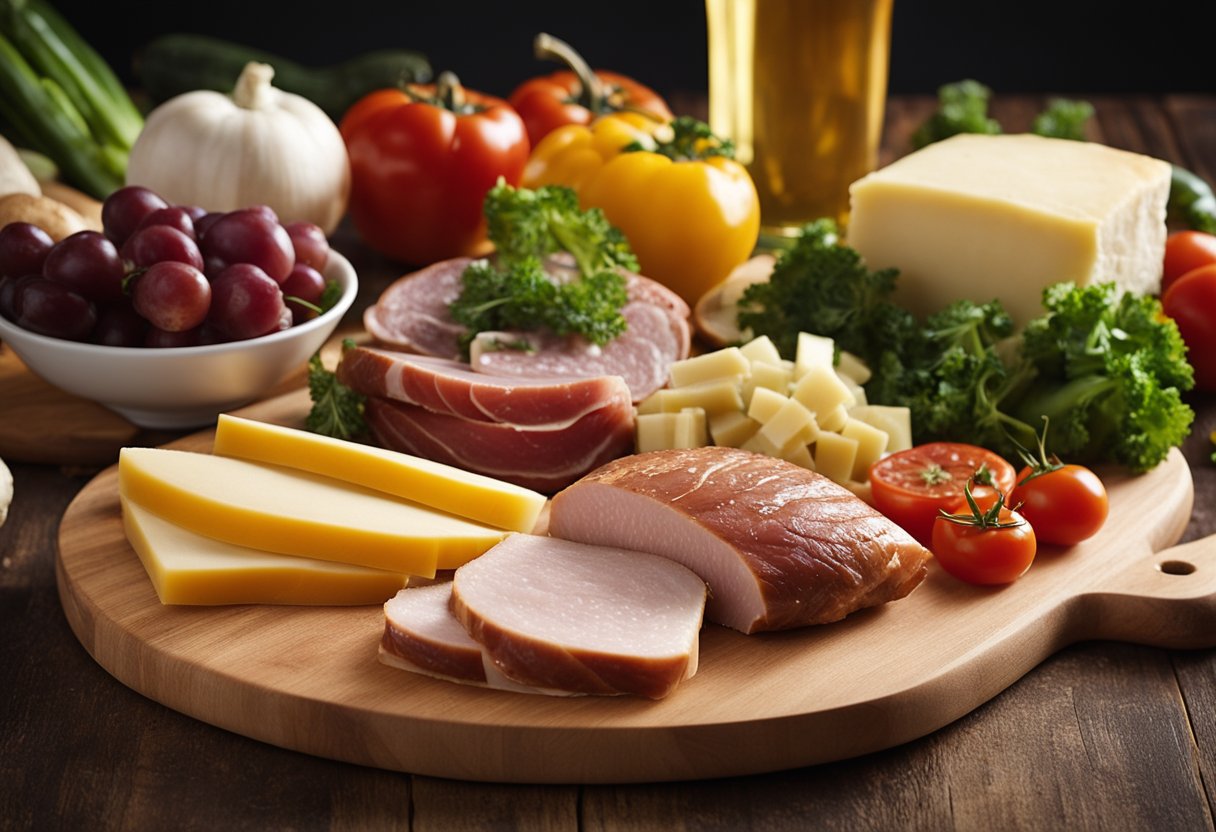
611,602
541,615
412,315
539,433
539,417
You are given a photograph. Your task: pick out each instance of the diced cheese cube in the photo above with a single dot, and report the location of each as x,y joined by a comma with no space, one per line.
765,403
771,376
871,443
799,454
820,390
761,350
690,430
761,444
813,351
834,456
654,431
189,568
443,487
791,421
895,420
651,404
978,217
710,396
729,363
277,509
732,428
834,419
853,368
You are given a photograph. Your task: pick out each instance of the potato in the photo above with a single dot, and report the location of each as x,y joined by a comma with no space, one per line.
51,215
78,201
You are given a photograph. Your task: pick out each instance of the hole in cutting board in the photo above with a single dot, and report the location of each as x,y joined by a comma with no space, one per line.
1176,567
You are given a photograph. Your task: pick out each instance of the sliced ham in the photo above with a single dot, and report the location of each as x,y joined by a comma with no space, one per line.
585,619
542,458
422,636
642,355
778,545
412,315
442,385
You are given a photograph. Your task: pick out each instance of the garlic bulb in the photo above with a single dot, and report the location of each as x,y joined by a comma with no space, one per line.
259,145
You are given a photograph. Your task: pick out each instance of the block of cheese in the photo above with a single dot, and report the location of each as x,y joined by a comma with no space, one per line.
292,512
188,568
985,217
445,487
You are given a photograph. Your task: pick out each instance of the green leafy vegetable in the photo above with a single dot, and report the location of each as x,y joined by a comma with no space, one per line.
1063,119
1191,201
514,291
823,287
962,108
684,138
336,410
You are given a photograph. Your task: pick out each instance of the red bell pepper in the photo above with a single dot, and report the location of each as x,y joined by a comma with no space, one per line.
422,160
578,95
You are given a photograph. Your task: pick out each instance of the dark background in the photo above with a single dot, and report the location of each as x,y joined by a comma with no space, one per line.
1029,46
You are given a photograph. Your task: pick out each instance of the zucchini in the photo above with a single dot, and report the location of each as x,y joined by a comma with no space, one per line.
178,63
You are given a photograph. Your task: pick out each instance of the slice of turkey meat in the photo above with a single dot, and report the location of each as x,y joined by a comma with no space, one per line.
411,314
556,614
544,458
778,545
422,636
442,385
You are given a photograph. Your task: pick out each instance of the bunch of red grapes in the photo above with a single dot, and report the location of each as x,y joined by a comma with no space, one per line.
164,275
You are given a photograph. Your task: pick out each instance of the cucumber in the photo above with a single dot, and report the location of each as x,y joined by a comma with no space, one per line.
178,63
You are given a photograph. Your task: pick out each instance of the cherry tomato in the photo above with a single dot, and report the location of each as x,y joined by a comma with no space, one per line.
1186,251
988,555
1191,302
1065,505
911,487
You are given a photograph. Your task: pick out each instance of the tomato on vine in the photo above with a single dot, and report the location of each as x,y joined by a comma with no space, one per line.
1066,504
984,541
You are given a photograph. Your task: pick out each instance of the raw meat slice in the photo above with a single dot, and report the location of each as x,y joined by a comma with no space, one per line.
445,386
421,635
587,619
541,458
778,545
412,313
642,355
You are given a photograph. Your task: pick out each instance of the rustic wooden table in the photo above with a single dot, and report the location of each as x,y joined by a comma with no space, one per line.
1100,736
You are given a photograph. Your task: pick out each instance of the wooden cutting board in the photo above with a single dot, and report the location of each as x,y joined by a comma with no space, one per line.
308,679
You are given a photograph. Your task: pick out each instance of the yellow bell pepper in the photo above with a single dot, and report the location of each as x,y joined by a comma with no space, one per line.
689,211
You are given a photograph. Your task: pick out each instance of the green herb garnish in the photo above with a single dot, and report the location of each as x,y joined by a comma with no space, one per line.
514,291
336,410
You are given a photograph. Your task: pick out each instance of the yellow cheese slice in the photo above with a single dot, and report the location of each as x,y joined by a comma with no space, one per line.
444,487
291,512
979,217
187,568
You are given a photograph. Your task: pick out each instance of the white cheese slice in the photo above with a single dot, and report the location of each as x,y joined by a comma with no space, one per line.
983,217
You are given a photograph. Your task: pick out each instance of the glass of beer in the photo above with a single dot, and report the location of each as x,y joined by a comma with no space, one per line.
800,86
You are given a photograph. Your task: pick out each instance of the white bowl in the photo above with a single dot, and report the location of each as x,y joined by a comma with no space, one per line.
181,387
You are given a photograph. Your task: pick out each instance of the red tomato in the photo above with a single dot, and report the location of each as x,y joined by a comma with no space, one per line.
422,161
1065,506
985,555
1191,302
577,95
1186,251
911,487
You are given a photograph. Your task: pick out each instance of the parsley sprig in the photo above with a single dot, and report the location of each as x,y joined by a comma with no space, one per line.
513,290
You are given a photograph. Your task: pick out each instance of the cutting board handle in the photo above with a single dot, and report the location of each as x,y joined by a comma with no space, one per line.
1166,599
